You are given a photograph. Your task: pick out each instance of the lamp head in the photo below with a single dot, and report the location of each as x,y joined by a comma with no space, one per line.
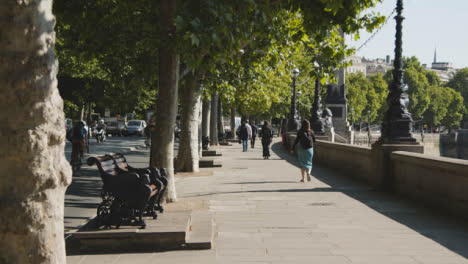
295,72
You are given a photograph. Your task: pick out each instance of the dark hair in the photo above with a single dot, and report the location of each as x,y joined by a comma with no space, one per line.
305,126
266,125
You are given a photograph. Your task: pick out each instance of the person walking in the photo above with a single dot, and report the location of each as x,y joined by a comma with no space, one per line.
305,149
254,134
266,135
245,132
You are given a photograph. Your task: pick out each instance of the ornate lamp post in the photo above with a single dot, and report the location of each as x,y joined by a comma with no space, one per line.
422,128
396,126
299,93
316,111
292,121
368,127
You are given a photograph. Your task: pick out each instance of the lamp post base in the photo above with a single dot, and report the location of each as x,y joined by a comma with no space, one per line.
397,132
382,162
293,125
318,127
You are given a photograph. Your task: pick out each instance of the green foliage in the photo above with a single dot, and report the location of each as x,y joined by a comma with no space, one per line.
380,88
459,83
438,108
116,42
112,42
438,105
357,89
70,109
455,108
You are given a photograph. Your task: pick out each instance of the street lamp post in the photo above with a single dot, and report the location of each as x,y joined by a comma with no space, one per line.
292,121
299,93
316,122
368,127
422,128
396,126
397,121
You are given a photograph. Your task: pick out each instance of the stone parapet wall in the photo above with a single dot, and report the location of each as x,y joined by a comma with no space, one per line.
438,181
353,160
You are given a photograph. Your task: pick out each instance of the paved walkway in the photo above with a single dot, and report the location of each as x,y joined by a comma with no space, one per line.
264,214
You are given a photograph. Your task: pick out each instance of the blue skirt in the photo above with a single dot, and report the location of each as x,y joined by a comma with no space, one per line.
305,156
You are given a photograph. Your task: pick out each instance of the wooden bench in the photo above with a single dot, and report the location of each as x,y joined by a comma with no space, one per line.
157,177
126,196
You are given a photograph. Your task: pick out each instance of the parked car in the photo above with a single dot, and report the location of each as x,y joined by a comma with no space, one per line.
135,127
115,128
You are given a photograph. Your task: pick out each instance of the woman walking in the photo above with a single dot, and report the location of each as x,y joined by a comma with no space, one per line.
305,151
266,135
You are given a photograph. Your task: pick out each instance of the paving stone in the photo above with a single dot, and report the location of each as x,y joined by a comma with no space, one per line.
383,260
263,214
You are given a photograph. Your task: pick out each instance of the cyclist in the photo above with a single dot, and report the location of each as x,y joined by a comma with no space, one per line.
78,137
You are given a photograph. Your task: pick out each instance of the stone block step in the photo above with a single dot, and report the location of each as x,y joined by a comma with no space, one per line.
210,153
225,143
170,231
232,140
201,231
209,163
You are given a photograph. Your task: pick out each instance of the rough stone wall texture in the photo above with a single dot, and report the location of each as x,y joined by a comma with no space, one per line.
33,170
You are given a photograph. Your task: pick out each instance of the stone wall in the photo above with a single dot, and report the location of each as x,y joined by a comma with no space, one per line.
350,159
439,182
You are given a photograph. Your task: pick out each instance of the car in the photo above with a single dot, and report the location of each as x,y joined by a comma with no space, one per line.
135,127
115,128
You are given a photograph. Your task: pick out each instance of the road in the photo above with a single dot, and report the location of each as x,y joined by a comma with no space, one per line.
112,144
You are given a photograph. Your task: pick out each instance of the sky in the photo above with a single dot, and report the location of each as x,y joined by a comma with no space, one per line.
428,25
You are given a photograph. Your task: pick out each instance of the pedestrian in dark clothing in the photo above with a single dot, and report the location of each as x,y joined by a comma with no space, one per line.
266,135
147,133
78,137
305,148
254,134
245,133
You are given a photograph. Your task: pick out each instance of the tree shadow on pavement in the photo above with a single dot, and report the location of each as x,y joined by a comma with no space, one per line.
450,232
261,182
86,184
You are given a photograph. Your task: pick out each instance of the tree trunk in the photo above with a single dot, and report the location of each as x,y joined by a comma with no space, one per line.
233,121
188,156
166,105
214,120
34,173
206,118
82,112
200,150
220,116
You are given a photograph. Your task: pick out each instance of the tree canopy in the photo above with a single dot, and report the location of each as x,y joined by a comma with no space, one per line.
430,102
116,42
